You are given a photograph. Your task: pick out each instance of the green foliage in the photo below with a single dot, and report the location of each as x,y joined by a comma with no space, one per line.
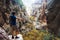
38,35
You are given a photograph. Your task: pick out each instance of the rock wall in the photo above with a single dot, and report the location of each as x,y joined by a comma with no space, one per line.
53,18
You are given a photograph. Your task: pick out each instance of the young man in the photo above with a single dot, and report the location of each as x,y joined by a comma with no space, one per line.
13,24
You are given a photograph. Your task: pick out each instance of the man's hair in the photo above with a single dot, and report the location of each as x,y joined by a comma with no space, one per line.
13,13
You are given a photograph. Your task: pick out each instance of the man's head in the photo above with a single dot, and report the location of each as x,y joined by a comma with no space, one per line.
13,13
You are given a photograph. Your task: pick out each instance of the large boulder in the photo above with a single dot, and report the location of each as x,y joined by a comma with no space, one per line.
53,18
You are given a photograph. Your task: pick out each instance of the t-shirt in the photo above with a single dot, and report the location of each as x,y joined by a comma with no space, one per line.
12,20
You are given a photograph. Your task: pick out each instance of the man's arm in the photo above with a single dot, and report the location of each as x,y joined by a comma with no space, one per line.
19,18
